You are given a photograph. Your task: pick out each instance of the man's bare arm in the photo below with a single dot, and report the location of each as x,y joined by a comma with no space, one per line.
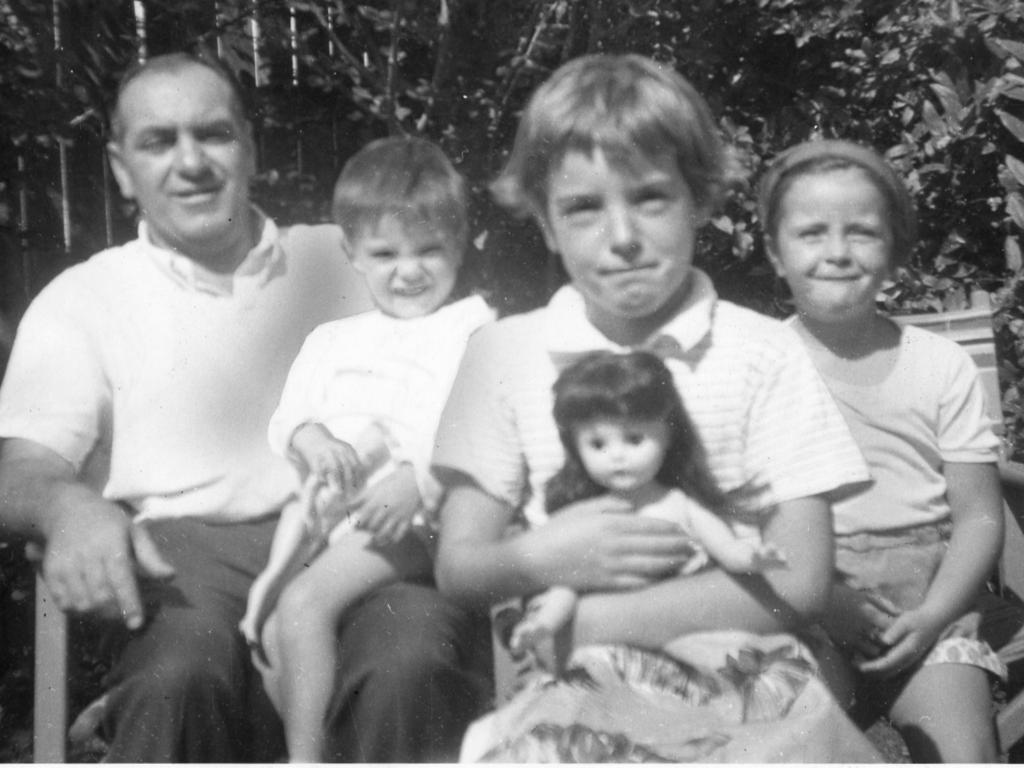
92,549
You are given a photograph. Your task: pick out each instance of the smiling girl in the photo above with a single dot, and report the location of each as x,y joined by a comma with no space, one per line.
914,549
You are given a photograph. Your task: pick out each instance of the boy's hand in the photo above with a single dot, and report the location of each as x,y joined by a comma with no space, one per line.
906,640
601,544
387,508
334,462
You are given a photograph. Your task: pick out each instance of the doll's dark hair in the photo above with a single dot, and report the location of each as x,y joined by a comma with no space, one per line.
636,385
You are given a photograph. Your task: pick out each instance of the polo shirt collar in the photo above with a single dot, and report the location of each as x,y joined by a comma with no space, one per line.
572,333
258,264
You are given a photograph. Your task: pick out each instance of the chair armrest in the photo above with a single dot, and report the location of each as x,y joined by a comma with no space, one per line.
1011,474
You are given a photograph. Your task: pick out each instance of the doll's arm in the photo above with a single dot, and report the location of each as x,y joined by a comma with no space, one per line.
775,601
731,553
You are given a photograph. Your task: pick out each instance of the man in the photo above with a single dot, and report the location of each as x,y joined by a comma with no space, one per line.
134,414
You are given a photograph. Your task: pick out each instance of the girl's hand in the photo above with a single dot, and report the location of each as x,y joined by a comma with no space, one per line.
387,508
333,462
907,639
856,621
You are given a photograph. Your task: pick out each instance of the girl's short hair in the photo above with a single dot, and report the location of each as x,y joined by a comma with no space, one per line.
636,385
622,104
406,177
816,157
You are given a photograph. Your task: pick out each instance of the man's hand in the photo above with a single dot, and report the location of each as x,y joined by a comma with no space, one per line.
387,508
92,559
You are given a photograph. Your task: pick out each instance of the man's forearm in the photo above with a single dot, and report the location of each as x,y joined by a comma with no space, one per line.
37,489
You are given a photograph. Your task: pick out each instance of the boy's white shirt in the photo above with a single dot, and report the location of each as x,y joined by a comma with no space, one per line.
498,428
375,369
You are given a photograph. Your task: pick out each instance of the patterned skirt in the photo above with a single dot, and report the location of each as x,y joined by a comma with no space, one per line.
708,697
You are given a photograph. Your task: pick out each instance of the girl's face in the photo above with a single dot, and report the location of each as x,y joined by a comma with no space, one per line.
622,455
626,237
410,270
833,244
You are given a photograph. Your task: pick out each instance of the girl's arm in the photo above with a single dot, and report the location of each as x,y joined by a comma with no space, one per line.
594,544
779,600
975,501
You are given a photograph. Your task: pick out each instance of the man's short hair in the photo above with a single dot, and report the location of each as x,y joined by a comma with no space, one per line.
172,63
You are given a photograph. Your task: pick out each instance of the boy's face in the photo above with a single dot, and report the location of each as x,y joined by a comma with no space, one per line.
626,237
409,269
833,244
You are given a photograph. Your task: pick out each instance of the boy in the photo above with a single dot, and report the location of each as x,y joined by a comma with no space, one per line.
617,159
362,402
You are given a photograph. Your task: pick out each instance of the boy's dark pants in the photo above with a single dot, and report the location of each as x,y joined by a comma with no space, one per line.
414,669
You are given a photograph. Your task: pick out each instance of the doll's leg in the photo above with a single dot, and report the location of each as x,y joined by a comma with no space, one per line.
537,632
291,546
307,617
945,715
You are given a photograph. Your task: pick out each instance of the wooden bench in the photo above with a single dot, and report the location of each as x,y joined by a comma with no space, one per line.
972,328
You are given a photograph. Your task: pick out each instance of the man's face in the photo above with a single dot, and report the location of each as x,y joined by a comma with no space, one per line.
185,155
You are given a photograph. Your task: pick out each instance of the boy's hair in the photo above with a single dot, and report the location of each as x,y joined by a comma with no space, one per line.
172,63
635,385
816,157
409,178
623,105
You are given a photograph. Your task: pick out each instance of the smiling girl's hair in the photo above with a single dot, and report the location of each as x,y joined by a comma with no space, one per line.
634,386
817,157
630,107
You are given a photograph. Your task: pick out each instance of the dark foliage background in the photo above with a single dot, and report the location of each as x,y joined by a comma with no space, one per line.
938,85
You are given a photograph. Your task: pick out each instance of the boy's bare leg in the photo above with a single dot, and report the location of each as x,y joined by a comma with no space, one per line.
306,622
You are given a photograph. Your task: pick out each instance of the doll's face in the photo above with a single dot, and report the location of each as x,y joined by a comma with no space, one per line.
622,455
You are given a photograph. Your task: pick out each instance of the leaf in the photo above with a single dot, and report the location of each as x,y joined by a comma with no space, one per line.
1016,168
1013,124
1015,207
1012,47
947,96
891,57
932,119
1014,260
723,223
